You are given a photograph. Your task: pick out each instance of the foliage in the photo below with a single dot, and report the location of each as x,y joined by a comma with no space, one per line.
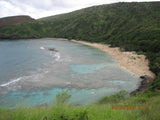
114,98
62,98
156,84
92,112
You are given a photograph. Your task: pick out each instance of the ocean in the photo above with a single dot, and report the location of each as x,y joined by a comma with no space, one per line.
32,72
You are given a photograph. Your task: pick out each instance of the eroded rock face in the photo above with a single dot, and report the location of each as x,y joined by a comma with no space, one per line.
15,20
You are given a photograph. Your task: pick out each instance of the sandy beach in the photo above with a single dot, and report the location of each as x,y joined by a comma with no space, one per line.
137,64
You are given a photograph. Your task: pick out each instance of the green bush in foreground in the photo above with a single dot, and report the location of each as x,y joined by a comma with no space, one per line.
114,98
62,98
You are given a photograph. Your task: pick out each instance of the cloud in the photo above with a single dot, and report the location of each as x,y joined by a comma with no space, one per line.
42,8
7,9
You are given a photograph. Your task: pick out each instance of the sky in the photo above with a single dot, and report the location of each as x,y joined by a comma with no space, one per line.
42,8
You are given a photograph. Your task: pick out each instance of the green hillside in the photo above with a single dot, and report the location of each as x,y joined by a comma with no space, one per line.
119,24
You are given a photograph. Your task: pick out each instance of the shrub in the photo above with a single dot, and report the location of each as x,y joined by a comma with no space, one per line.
62,98
114,98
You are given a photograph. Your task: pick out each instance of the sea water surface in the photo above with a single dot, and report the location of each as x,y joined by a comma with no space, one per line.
32,72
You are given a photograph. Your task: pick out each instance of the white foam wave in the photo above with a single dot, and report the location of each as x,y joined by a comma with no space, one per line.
93,92
53,52
57,56
68,83
11,82
42,48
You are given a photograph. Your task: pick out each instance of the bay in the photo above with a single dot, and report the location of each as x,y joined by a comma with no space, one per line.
32,72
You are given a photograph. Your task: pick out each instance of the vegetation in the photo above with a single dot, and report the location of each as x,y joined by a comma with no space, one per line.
144,106
115,98
62,98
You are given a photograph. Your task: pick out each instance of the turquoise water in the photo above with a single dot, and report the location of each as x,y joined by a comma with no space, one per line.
86,69
34,71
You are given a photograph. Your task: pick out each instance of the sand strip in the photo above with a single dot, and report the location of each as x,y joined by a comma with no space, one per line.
137,64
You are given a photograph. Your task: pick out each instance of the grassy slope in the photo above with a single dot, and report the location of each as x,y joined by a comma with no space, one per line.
92,112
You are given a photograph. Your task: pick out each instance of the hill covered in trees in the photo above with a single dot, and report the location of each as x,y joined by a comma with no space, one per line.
131,26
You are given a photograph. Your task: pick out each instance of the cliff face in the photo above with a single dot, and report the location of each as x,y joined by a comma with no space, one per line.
15,20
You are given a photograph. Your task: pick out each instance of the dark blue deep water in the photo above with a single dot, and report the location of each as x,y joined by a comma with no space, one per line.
32,72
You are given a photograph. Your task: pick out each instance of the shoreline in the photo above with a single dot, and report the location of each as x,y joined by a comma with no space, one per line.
136,64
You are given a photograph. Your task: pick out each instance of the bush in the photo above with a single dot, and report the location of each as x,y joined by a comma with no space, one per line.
62,98
155,84
114,98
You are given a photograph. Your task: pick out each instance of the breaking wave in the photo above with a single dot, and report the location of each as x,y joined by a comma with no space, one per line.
53,52
40,72
11,82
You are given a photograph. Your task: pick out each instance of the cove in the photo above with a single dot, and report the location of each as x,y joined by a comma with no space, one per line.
34,71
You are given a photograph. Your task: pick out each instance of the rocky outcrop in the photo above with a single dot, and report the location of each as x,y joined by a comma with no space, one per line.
52,49
146,81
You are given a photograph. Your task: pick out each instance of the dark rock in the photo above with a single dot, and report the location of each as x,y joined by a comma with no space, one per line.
146,81
142,77
52,49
